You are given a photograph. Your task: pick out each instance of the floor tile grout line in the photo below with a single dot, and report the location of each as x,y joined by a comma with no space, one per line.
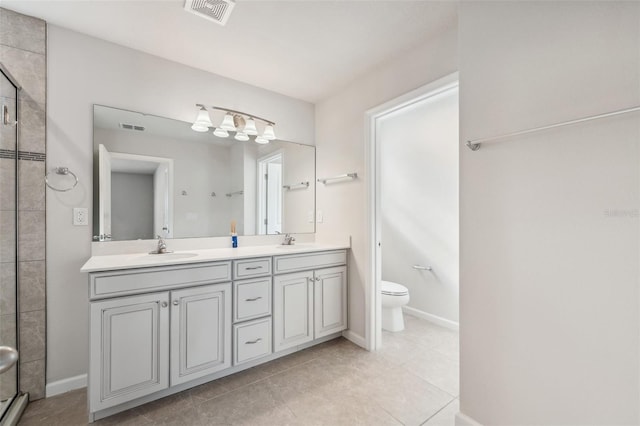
436,413
251,383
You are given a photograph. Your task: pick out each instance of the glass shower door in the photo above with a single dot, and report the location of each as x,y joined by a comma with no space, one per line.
8,244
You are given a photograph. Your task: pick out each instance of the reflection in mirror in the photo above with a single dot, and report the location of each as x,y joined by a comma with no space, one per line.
155,176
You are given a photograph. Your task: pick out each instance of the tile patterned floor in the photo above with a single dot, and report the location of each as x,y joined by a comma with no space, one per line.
413,380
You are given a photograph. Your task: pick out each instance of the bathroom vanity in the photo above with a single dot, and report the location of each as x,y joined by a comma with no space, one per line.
160,324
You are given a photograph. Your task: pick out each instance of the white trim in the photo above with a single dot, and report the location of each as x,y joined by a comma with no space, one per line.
373,308
442,322
464,420
65,385
355,338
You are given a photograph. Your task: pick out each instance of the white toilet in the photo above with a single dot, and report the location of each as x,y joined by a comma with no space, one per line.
394,297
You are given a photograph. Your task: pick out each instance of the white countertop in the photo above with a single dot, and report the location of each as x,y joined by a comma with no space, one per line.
143,260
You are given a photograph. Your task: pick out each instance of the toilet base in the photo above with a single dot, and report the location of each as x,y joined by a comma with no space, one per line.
392,319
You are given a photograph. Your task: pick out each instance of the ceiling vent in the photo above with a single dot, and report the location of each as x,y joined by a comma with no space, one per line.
131,127
217,11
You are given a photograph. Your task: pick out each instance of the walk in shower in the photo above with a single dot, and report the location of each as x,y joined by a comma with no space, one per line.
12,401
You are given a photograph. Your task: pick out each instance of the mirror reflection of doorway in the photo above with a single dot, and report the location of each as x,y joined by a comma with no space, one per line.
270,193
132,189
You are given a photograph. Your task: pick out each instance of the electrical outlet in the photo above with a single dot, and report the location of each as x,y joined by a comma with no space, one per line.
319,217
310,216
80,216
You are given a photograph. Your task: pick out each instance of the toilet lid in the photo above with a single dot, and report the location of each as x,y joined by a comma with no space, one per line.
393,289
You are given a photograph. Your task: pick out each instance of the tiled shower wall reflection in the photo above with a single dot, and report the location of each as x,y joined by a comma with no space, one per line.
23,53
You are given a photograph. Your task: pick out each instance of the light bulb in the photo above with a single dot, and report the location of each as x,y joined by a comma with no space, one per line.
268,133
227,123
261,140
221,133
250,127
203,122
241,136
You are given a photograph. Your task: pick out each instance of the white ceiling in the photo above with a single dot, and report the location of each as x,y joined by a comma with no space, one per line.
301,48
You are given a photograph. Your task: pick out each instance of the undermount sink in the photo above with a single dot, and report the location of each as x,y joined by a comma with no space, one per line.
294,246
168,256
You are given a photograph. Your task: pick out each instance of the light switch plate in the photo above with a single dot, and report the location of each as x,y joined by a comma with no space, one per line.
80,216
319,216
310,216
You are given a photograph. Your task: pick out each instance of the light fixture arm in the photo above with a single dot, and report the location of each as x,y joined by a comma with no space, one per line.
255,117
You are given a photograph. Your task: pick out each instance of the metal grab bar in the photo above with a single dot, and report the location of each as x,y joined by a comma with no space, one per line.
300,185
422,268
353,175
474,145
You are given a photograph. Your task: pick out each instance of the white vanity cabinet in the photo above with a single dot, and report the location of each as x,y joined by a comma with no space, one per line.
158,330
200,335
310,304
145,343
129,349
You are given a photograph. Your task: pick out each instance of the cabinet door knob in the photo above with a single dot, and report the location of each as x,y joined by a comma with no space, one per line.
176,302
164,304
317,278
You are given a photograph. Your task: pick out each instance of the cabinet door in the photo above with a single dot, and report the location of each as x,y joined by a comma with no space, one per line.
200,331
330,301
292,310
129,349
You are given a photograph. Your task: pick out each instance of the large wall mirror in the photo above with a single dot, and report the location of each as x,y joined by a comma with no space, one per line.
155,176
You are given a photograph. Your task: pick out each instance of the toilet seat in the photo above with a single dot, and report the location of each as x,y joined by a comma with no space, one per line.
393,289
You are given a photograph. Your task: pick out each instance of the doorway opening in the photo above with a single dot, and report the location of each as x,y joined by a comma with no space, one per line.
413,207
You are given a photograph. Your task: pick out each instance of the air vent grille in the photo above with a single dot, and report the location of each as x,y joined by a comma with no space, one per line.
217,11
131,127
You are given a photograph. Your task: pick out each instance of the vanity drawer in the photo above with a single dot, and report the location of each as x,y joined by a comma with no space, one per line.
306,261
144,280
252,299
252,340
251,267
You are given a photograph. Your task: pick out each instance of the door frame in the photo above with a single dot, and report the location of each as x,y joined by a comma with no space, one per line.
262,192
373,306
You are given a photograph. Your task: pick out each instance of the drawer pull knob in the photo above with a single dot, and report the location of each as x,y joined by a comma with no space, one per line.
176,302
253,342
164,304
253,299
251,268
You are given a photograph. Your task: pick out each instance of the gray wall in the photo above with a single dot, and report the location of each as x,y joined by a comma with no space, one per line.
131,206
23,52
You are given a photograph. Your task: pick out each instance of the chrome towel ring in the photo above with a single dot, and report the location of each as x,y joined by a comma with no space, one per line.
64,171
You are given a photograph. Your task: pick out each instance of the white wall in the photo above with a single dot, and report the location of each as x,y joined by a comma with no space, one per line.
419,202
82,71
340,148
549,297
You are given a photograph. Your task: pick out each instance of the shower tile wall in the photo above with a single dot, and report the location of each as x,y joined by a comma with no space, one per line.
23,53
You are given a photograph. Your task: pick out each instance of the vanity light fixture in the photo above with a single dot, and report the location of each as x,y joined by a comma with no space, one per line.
203,122
243,124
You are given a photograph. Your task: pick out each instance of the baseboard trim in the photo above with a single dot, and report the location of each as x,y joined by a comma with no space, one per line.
66,385
464,420
355,338
442,322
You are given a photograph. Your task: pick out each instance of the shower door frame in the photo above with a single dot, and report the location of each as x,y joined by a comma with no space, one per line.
13,410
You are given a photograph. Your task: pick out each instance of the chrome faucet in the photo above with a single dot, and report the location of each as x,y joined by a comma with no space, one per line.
288,240
162,247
